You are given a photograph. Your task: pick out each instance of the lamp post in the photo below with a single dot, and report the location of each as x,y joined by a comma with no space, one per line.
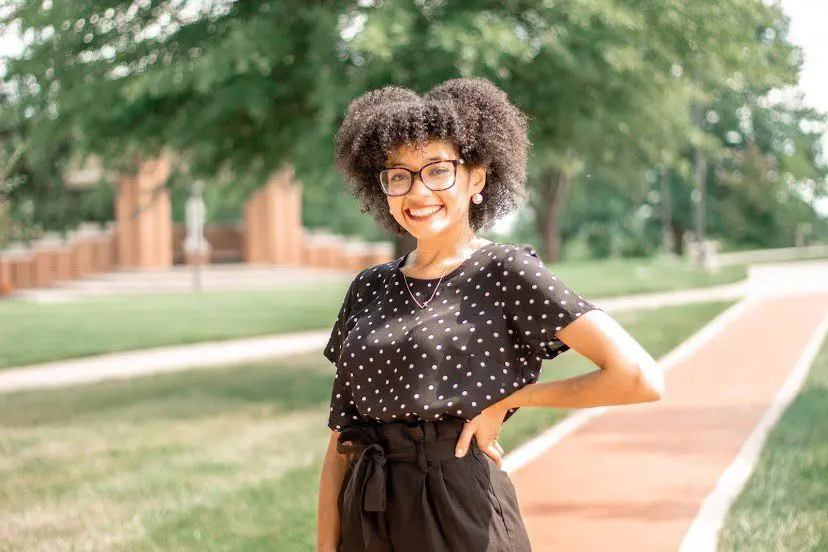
668,237
195,246
699,193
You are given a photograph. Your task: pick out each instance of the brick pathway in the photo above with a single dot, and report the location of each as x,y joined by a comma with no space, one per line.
634,478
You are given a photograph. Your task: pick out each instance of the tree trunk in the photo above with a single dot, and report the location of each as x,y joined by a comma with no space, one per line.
678,241
554,193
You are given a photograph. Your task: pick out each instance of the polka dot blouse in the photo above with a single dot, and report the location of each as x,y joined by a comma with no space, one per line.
483,336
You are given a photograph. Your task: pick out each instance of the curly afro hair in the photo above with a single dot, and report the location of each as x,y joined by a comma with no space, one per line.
471,113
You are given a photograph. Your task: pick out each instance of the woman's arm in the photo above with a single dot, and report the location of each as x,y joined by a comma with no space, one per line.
328,527
627,374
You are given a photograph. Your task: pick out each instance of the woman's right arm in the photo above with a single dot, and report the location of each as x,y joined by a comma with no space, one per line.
330,482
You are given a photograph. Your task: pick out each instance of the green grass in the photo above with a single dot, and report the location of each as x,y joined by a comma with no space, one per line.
34,333
222,459
633,276
784,505
215,459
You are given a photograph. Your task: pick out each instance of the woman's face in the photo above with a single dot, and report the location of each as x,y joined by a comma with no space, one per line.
441,209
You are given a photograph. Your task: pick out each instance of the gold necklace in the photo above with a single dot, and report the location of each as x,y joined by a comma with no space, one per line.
425,304
432,293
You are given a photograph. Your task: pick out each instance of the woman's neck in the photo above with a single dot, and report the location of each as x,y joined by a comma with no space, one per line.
431,263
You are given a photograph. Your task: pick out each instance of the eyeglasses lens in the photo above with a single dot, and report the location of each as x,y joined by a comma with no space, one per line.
437,176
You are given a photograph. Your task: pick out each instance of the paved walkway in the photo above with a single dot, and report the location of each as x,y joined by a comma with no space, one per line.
635,477
181,279
146,362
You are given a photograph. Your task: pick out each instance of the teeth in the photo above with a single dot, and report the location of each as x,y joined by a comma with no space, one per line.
424,212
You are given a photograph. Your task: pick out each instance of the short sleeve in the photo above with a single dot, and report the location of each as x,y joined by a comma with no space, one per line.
343,411
334,345
537,304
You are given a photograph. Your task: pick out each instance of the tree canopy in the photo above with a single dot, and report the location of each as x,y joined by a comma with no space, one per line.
248,86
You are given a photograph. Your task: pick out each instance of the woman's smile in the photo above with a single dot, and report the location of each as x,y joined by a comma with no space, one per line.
423,214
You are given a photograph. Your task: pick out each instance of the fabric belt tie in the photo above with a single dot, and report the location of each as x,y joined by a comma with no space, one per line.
374,494
369,475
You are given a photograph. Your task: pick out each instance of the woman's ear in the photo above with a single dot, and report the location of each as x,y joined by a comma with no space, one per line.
477,179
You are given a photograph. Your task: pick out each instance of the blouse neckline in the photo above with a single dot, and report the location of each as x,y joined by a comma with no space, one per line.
456,270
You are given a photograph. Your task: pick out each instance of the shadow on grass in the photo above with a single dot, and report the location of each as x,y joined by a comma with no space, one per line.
280,515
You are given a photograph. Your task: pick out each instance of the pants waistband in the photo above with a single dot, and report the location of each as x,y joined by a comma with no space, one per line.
403,442
377,444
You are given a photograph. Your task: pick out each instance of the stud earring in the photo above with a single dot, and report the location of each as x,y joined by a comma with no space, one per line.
477,198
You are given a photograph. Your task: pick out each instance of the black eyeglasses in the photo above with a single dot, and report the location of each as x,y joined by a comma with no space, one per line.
437,176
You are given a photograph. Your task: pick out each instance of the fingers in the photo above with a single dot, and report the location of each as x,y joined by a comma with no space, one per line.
495,453
464,441
499,448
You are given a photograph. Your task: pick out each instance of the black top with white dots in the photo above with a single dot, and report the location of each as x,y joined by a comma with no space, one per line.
483,336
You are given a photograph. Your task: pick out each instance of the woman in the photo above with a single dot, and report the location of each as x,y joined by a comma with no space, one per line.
437,349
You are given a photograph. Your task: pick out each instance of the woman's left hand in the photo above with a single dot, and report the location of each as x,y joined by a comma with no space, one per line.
485,428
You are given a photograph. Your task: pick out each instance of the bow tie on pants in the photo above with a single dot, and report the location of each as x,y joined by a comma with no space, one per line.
440,502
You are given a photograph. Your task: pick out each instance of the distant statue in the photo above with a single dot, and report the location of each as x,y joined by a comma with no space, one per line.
195,245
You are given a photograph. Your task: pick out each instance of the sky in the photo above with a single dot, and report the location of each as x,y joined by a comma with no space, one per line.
807,30
808,21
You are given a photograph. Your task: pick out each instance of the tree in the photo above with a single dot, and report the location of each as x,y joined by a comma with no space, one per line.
604,84
766,186
246,85
249,86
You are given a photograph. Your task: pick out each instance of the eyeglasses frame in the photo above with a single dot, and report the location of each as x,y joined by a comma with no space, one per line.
419,173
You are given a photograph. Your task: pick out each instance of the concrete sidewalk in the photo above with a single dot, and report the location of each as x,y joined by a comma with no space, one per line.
180,279
146,362
633,478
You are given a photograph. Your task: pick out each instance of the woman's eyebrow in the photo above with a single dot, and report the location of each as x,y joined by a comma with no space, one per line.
430,159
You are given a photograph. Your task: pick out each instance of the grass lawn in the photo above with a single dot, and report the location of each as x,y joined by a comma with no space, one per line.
633,276
222,459
784,505
34,333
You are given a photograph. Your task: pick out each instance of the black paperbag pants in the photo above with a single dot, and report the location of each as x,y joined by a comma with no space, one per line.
405,491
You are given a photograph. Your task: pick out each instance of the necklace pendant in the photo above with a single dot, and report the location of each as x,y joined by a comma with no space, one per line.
433,293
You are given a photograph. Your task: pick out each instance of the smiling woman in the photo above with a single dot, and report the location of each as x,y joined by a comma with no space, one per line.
405,390
435,350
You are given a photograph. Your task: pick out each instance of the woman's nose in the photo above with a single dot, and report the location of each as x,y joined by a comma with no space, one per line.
421,188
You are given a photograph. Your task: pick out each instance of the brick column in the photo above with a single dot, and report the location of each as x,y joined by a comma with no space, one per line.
273,222
144,217
5,276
